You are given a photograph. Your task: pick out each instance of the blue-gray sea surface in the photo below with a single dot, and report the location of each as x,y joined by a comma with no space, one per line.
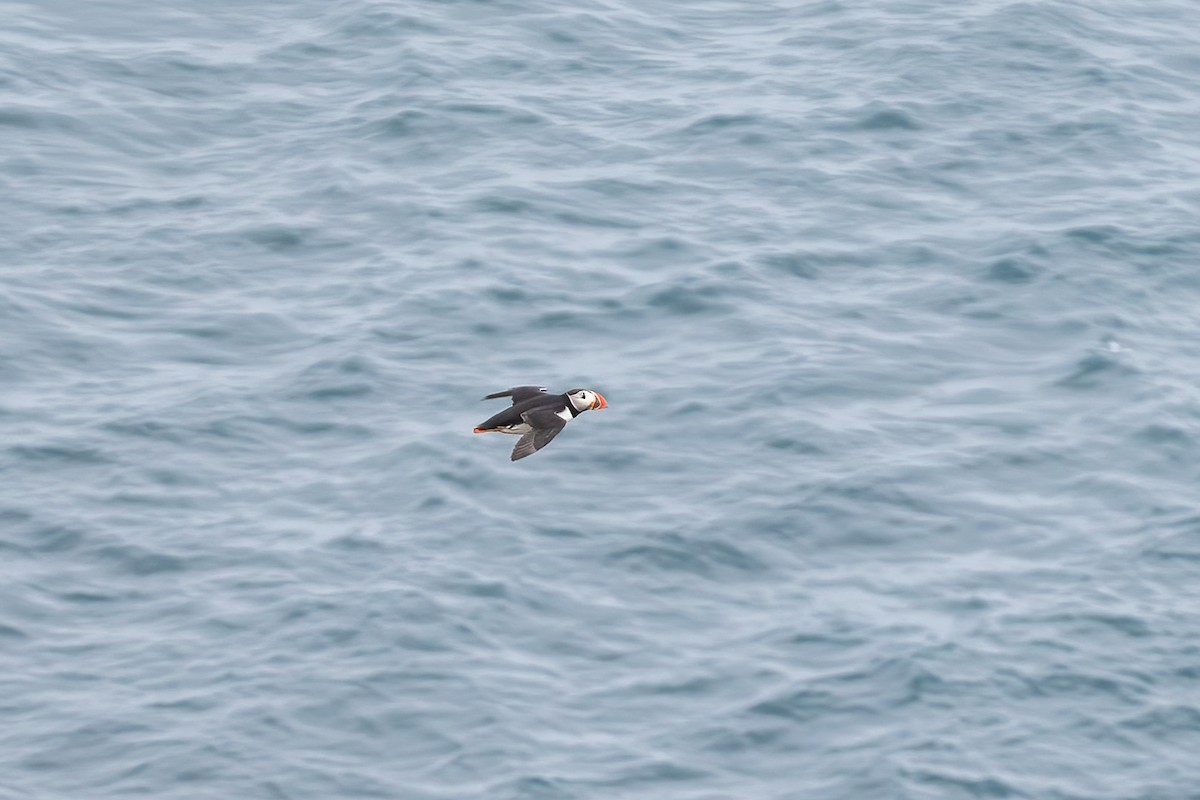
896,307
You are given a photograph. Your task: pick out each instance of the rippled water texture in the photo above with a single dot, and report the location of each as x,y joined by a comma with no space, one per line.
895,306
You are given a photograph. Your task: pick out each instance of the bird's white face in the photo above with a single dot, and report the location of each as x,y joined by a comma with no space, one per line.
586,399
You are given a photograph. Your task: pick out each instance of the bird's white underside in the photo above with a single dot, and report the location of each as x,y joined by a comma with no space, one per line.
524,427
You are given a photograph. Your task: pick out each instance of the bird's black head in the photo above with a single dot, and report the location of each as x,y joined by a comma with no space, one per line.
586,399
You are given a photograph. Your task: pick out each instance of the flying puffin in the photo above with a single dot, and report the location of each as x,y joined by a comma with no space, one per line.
538,417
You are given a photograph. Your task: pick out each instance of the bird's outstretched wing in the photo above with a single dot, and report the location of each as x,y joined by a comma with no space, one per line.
518,393
545,426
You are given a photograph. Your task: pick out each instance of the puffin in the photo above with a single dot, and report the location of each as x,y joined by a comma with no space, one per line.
537,417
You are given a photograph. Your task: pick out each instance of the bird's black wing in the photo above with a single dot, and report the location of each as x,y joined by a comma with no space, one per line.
546,425
518,393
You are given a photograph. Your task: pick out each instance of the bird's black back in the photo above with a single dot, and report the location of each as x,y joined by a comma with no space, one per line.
512,414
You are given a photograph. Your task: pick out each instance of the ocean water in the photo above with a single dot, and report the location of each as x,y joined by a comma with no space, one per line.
896,307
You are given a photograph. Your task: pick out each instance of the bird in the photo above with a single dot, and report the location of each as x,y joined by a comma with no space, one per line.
537,417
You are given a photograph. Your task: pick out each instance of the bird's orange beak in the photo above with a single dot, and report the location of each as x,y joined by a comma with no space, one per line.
599,402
